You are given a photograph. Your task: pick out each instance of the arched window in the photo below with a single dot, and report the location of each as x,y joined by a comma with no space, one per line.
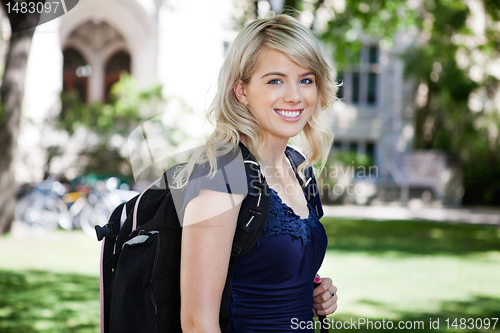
118,63
75,73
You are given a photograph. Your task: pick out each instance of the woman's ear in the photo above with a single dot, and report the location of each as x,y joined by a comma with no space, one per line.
239,91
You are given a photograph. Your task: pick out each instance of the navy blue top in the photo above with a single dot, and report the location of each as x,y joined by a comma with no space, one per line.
273,283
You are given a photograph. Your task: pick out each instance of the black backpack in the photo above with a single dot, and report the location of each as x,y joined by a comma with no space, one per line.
140,267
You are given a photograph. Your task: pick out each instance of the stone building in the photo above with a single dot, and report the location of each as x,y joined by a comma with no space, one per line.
376,118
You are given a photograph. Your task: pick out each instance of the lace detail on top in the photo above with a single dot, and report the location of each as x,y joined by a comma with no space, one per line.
283,220
233,325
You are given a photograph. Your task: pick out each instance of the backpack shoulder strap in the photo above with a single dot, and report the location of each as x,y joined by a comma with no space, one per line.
310,187
108,245
252,218
254,210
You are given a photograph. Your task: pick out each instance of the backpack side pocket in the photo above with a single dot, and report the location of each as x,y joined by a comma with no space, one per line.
131,301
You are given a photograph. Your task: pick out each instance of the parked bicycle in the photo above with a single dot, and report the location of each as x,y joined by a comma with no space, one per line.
50,205
103,199
42,208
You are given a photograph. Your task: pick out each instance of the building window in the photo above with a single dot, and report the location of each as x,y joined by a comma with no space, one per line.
371,96
353,147
373,55
118,63
372,88
370,151
75,74
355,87
363,74
367,148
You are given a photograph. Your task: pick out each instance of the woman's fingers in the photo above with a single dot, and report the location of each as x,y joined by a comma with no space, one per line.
325,284
327,311
323,309
324,303
325,295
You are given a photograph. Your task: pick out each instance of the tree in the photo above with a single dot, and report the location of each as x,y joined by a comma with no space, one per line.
11,97
451,66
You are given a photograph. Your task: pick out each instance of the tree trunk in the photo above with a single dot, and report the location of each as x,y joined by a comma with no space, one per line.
11,98
421,115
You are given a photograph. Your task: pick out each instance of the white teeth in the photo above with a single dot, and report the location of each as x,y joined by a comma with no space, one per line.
288,114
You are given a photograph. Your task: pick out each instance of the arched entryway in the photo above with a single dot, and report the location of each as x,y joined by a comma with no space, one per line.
106,55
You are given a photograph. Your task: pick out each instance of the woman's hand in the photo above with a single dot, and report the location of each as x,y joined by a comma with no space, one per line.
324,297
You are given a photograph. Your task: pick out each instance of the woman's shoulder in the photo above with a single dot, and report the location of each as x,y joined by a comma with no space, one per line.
229,165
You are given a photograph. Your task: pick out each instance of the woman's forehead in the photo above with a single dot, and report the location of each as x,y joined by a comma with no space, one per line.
270,59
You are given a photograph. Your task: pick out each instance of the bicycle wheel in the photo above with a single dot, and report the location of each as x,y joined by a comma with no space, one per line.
93,215
38,212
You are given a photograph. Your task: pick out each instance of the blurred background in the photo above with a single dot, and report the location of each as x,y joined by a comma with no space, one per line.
411,188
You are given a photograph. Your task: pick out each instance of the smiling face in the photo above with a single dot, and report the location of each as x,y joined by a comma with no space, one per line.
281,94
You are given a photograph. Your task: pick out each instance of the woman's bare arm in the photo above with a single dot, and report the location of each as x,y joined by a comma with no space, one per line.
208,231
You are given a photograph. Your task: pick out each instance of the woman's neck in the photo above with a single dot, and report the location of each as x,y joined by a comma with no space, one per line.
273,155
271,152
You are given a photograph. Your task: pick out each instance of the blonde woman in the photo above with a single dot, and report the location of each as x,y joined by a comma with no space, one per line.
273,85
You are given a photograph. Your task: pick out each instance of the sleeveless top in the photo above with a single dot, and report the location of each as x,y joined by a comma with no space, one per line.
273,283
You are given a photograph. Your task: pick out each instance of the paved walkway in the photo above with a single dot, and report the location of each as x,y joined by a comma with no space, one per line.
479,215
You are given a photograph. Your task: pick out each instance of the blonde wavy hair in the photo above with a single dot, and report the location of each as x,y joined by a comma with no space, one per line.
234,120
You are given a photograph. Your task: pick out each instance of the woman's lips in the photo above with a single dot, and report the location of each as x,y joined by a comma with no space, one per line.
289,114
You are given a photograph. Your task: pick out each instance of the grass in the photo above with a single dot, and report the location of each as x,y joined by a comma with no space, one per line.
398,270
410,237
417,271
43,301
49,283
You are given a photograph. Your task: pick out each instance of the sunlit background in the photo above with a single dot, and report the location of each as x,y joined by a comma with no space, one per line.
411,189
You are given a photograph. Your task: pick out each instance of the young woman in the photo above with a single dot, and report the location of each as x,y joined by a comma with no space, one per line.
273,85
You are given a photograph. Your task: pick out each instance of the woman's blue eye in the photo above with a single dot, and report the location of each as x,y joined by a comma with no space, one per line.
303,81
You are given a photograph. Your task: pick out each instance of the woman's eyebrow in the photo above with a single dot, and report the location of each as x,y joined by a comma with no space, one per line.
284,75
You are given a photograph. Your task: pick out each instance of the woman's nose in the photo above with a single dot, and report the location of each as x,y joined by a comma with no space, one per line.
292,94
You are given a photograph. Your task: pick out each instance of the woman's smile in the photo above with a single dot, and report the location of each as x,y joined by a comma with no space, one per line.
289,114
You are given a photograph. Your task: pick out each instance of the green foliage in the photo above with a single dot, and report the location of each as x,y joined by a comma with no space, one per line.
378,19
349,158
129,106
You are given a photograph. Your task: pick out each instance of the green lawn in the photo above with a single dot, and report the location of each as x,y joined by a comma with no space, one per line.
49,283
411,271
414,271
